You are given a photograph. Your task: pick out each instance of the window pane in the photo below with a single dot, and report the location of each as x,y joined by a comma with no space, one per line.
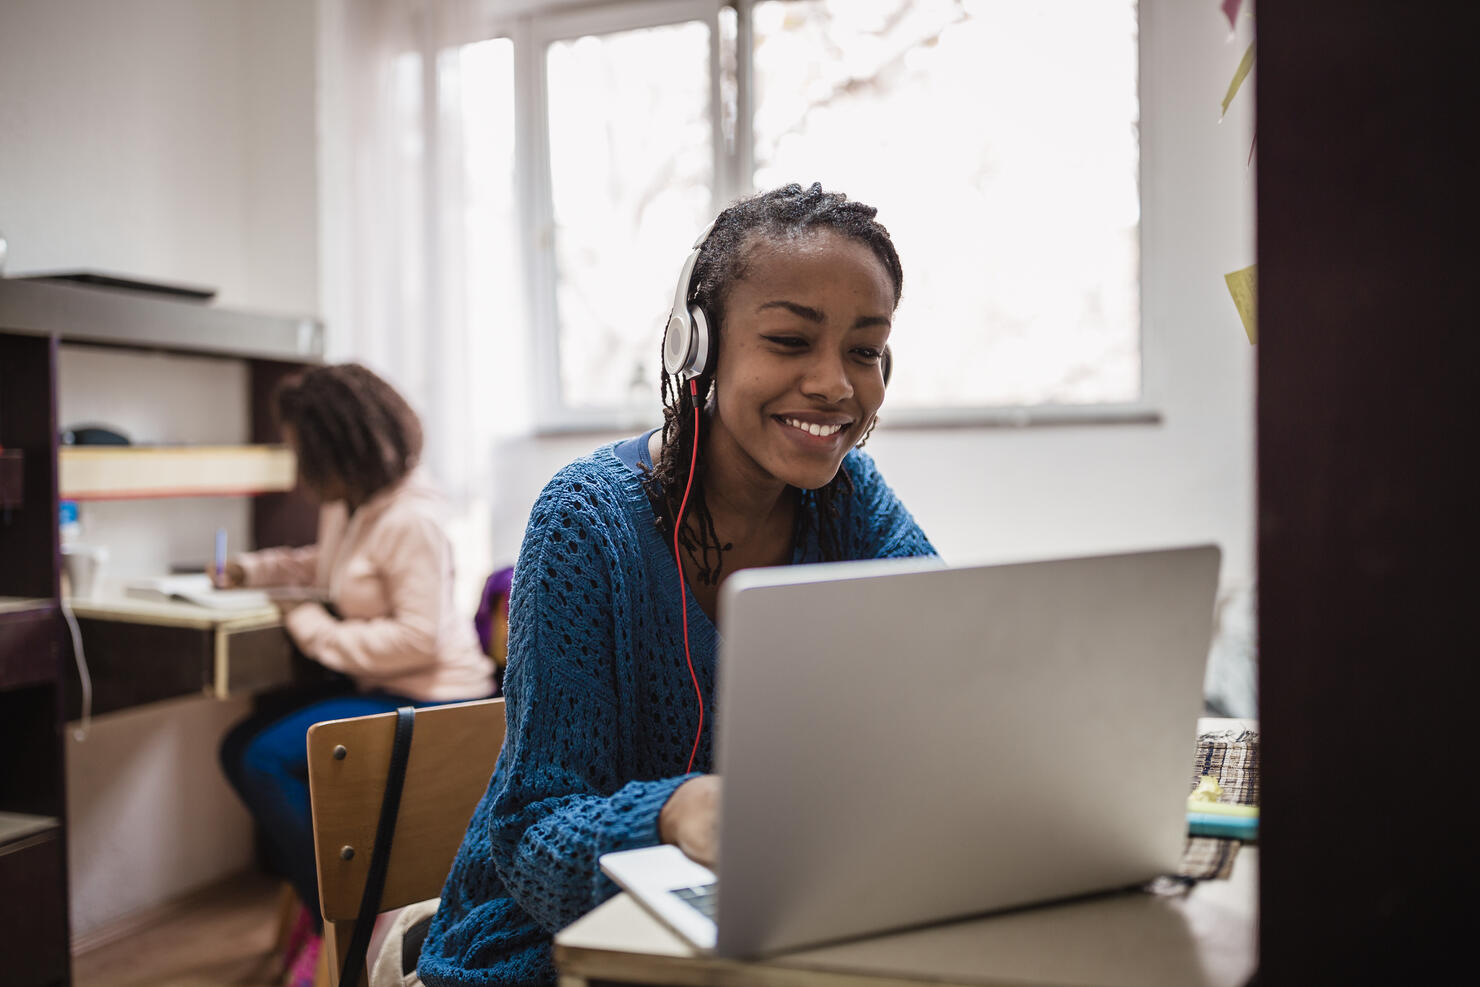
631,165
478,86
999,141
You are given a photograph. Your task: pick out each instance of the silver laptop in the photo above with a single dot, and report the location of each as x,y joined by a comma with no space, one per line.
903,743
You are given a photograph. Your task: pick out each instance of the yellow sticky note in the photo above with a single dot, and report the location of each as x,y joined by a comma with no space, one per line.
1243,286
1245,64
1207,790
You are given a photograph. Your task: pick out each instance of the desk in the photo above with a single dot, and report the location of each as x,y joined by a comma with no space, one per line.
142,651
1206,937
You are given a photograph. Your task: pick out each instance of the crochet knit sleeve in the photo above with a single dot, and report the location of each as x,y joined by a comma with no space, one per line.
562,795
877,524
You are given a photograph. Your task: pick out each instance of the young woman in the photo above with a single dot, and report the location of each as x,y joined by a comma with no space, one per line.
603,750
384,565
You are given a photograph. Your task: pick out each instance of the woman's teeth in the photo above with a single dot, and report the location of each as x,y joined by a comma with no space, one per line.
814,429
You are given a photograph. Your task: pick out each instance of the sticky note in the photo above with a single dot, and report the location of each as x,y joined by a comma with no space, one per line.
1207,790
1239,74
1243,286
1230,10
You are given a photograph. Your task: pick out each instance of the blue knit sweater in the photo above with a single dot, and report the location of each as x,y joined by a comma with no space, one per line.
601,711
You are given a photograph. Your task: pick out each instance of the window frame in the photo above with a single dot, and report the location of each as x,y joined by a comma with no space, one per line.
533,25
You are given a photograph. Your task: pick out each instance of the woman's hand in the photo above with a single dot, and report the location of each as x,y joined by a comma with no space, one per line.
690,819
231,576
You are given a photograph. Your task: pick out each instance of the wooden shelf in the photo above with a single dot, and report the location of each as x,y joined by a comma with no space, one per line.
18,825
118,317
25,604
137,472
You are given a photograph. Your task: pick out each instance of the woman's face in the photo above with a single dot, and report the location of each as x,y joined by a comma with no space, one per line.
798,375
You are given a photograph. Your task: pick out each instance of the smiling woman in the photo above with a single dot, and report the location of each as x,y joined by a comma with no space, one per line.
788,299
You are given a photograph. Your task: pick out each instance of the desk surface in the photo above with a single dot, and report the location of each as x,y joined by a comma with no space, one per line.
172,614
1207,936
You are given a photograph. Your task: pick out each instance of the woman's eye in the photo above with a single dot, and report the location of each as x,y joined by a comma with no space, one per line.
869,354
790,342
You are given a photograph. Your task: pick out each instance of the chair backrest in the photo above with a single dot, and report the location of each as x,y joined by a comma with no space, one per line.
453,751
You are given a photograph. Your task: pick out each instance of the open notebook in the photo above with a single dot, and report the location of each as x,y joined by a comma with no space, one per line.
196,588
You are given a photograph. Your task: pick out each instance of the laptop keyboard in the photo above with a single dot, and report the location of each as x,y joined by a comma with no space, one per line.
702,898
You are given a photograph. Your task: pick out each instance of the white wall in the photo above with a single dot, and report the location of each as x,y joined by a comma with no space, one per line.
169,139
984,494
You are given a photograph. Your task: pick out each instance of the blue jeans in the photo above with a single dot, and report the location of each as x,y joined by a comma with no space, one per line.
265,758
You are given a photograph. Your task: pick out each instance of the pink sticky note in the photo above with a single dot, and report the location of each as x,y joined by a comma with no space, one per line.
1230,10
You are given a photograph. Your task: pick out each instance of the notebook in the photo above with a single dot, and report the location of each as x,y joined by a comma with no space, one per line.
903,743
196,588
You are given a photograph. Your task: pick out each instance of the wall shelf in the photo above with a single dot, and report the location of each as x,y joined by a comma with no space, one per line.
19,825
25,604
138,472
114,317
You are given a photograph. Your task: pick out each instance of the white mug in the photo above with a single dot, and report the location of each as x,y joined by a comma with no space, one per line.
83,565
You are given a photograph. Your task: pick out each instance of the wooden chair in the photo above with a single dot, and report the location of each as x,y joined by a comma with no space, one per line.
453,750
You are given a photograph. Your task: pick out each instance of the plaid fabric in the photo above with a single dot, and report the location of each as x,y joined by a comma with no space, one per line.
1232,758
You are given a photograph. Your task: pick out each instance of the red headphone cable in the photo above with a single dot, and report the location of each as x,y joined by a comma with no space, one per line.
683,595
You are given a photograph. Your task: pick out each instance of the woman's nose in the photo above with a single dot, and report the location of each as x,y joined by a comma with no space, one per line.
827,379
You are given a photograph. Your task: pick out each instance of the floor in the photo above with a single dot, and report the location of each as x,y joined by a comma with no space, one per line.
222,937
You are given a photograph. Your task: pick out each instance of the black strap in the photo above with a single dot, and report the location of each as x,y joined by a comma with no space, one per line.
385,832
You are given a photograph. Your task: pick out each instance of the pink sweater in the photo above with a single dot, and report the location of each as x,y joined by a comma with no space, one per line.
388,570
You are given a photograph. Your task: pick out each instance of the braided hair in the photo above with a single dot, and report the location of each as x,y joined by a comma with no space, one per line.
786,213
351,426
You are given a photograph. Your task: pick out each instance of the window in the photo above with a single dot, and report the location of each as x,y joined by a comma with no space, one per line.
626,186
1007,179
1008,184
476,83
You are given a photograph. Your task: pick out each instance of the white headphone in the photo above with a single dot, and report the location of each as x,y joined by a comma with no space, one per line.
688,344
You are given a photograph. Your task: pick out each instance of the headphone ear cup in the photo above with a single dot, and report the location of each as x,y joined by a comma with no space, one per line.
702,360
677,344
886,364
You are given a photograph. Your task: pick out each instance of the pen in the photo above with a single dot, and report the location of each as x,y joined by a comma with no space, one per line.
220,554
